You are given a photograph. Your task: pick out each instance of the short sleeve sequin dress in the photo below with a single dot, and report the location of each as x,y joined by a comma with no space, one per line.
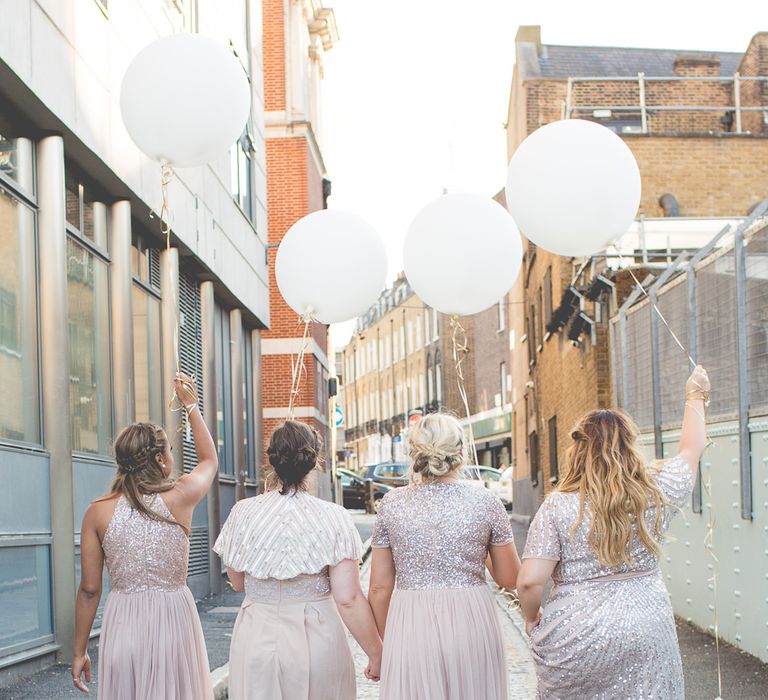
605,633
443,638
151,643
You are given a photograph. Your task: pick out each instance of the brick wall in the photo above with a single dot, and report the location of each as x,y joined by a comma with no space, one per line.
712,173
294,189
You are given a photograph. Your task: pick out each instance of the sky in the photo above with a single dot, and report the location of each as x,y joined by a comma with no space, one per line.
415,92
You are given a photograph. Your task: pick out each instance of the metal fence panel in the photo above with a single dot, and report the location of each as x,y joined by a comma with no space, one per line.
617,361
756,252
716,331
674,366
639,375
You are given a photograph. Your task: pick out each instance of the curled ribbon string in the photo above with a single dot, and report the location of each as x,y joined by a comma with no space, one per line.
298,367
460,351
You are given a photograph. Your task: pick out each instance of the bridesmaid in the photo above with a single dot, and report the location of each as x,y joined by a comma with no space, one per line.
607,629
295,556
433,538
151,643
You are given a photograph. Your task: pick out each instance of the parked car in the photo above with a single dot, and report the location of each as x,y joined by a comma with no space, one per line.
503,487
355,490
480,475
390,473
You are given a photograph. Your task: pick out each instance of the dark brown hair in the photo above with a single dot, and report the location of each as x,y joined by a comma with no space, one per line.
139,472
294,451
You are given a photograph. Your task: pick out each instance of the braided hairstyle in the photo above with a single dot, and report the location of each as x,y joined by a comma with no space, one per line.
294,451
139,472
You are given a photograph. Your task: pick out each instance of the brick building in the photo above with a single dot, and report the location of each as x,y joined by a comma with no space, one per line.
397,367
697,123
296,33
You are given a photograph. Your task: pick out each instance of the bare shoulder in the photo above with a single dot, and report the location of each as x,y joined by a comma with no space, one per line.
98,514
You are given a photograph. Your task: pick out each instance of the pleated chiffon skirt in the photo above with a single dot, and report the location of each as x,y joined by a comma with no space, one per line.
443,644
152,647
612,640
290,649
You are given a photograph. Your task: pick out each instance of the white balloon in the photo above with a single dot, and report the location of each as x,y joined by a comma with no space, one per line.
462,253
331,265
185,99
573,187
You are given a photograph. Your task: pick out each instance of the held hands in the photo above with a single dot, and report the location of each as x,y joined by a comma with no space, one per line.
530,625
186,390
373,670
81,665
697,387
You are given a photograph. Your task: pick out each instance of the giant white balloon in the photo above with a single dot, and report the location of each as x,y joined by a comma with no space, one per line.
462,253
185,99
573,187
331,265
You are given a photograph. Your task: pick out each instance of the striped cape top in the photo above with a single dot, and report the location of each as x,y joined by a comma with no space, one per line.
280,537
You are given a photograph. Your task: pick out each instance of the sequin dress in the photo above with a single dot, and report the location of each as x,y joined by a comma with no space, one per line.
289,642
605,633
443,638
151,644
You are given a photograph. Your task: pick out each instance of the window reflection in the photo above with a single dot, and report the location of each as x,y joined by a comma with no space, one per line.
90,389
147,356
20,408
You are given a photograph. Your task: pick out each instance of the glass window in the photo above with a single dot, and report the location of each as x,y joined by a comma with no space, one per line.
394,470
553,462
248,407
502,310
240,173
224,443
25,595
426,326
147,355
438,381
90,377
503,382
81,211
20,408
9,163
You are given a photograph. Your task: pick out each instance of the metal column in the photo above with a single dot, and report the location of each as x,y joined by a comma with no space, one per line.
208,339
238,400
169,315
745,448
258,402
54,355
121,291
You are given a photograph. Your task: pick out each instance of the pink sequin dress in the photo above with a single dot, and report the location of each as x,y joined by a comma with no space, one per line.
152,645
606,633
443,638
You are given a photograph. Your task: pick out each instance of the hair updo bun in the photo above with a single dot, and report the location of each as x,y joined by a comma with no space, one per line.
294,451
436,446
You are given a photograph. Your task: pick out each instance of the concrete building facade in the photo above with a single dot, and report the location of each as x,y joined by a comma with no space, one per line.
91,297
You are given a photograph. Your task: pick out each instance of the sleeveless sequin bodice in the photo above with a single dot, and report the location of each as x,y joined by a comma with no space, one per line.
144,554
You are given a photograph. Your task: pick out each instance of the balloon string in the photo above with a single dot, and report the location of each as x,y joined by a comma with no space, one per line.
653,305
298,367
460,352
175,404
709,542
710,534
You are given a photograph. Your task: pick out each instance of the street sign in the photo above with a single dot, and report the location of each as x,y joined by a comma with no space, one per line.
338,417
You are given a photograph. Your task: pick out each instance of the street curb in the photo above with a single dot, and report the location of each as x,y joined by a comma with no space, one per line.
521,519
220,682
220,675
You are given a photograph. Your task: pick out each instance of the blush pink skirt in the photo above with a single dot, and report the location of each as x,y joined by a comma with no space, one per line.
152,647
443,644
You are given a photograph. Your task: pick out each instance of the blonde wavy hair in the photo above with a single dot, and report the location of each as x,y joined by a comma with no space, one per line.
604,466
436,447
